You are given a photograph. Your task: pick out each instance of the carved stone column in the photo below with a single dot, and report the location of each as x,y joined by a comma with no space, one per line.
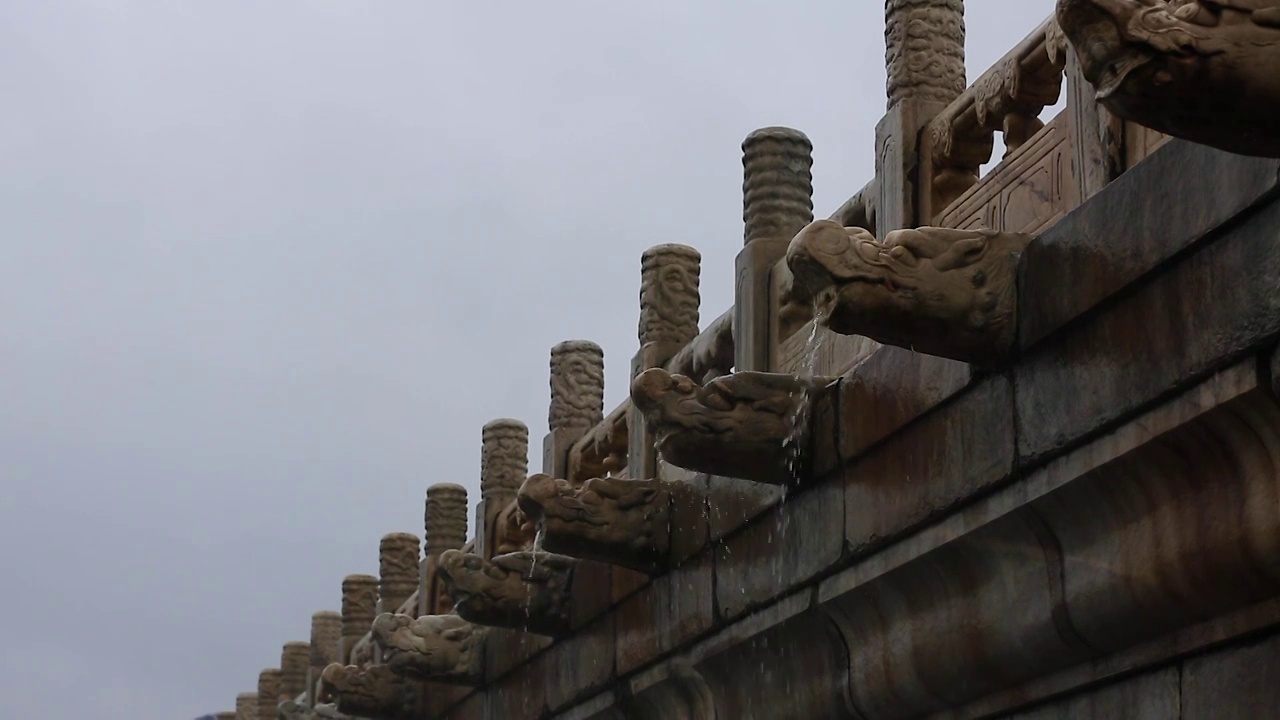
326,647
268,693
225,716
247,706
777,201
924,60
445,526
577,401
397,570
504,464
359,605
295,660
669,305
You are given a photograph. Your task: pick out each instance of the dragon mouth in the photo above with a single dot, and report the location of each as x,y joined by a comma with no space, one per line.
1116,73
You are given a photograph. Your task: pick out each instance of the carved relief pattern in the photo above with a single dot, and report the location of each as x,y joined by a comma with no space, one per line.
374,692
268,694
295,659
577,386
247,706
521,590
326,640
710,355
777,184
445,518
359,603
434,647
603,450
504,460
669,276
397,568
924,50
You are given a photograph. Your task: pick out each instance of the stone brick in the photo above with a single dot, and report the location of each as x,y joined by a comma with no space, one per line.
1200,314
1140,220
893,387
1238,682
507,649
592,592
778,551
1153,696
948,456
673,609
732,503
689,524
519,696
580,665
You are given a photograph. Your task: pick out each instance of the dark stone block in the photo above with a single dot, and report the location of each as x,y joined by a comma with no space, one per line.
946,457
507,649
580,665
792,544
520,695
672,610
733,503
1149,214
1153,696
689,524
1238,682
893,387
1205,310
592,592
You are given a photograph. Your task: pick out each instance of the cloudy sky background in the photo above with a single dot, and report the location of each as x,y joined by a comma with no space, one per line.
267,268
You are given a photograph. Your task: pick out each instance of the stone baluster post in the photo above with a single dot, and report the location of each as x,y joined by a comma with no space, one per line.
669,304
295,661
225,716
359,601
577,401
247,706
504,465
326,648
924,59
777,202
445,526
268,693
398,570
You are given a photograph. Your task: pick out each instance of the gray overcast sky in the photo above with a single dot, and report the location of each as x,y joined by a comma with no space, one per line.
266,269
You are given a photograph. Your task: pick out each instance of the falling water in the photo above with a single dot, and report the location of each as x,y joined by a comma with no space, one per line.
794,443
533,567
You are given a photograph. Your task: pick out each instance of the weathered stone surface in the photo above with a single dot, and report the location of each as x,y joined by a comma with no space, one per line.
577,387
1202,70
742,425
592,592
941,291
580,665
1154,696
890,389
444,648
520,695
1237,682
524,591
295,658
672,609
268,693
732,503
359,604
1174,329
247,706
373,692
776,552
949,455
326,646
614,520
1087,257
507,649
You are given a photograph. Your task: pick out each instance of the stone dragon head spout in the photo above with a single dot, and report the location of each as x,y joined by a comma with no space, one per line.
611,520
526,590
742,425
1202,70
943,292
445,648
373,692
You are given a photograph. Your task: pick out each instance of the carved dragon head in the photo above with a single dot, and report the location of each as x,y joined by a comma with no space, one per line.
940,291
446,648
1203,70
742,425
525,590
372,692
611,520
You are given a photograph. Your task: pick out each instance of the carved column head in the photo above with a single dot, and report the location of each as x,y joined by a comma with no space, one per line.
446,519
577,386
398,569
295,658
225,716
504,461
669,298
359,605
777,183
247,706
924,50
268,693
326,646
